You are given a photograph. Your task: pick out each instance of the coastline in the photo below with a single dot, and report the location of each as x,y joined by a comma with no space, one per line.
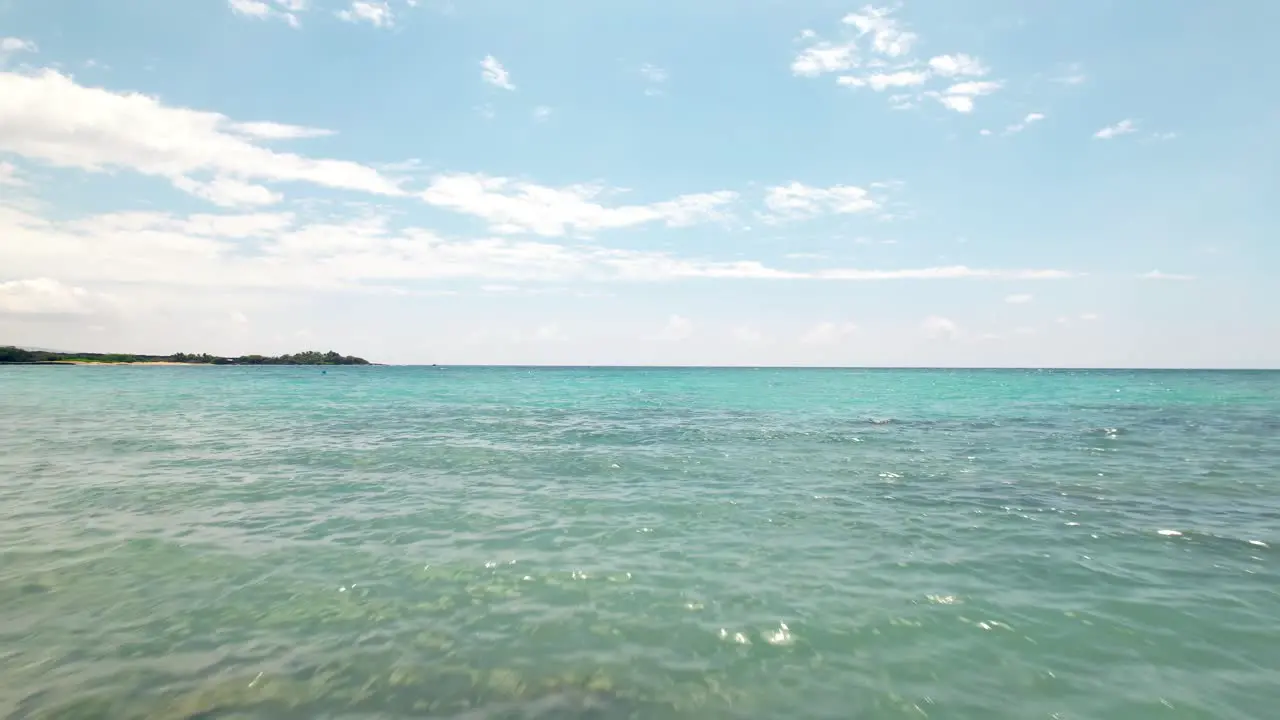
161,363
11,355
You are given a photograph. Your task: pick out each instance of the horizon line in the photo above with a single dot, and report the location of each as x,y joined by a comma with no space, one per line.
528,366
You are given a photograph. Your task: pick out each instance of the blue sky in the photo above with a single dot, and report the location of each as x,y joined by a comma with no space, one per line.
993,182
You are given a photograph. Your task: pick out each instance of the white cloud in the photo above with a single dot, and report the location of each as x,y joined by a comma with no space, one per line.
902,101
959,97
375,12
14,45
48,117
828,333
1164,136
1089,317
281,9
886,61
110,227
276,250
228,192
1026,122
493,73
9,175
43,296
276,131
1019,299
798,201
541,113
677,328
887,38
881,81
958,64
940,328
228,226
512,206
959,103
952,272
824,57
1124,127
253,8
1157,275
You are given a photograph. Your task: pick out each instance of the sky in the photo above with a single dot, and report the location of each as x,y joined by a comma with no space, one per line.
684,182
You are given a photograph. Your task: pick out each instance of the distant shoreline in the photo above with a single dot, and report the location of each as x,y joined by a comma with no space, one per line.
19,356
158,363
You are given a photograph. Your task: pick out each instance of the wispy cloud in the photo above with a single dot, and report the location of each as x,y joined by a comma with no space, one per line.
1026,122
1124,127
514,206
959,64
1019,299
878,55
495,74
655,77
229,192
888,38
1158,275
286,10
48,117
825,57
882,81
14,45
959,97
1071,74
797,201
375,12
276,131
277,250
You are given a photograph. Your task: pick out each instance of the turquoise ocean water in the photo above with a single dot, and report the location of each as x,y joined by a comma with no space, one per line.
204,542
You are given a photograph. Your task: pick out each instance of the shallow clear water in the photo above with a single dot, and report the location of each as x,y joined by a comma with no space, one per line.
205,542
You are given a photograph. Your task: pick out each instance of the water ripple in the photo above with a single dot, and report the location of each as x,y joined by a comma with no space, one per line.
488,543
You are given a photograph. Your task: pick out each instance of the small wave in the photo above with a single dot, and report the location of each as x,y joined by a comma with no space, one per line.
781,636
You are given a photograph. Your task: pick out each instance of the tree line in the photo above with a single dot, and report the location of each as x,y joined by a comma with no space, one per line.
311,357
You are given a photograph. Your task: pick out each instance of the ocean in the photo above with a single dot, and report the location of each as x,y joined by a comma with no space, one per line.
189,543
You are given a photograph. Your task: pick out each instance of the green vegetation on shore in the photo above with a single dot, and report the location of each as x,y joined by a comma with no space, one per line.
312,357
